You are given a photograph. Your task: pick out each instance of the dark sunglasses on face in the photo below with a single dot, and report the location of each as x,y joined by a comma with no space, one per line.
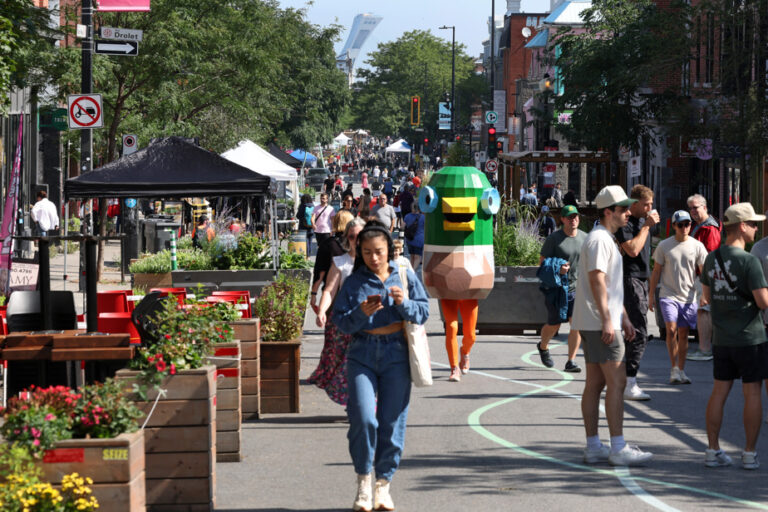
751,224
684,224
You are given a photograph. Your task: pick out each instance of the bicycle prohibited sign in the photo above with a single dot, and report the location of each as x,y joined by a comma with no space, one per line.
85,111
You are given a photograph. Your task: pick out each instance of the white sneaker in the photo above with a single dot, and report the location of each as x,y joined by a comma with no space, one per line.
716,458
381,498
629,456
749,460
599,455
364,501
674,376
455,375
699,355
635,393
683,377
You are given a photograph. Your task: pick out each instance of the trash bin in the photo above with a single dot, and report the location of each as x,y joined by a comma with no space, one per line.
298,243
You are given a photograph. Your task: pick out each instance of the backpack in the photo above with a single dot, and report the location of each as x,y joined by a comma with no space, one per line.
307,217
411,229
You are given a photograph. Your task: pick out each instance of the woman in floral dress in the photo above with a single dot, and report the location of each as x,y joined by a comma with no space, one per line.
330,373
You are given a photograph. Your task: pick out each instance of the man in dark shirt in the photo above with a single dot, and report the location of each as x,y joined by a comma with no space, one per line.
635,243
328,184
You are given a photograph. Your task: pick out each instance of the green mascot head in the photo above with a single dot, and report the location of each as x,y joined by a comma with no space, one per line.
459,204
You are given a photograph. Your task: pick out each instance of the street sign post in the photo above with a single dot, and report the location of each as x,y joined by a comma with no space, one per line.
116,47
129,144
85,111
491,165
490,117
121,34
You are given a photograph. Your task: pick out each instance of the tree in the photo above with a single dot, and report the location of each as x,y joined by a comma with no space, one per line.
23,27
612,73
416,64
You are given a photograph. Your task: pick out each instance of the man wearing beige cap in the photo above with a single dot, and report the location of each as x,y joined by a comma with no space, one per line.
734,284
600,318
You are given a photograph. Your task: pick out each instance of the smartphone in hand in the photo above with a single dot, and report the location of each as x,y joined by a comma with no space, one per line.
374,298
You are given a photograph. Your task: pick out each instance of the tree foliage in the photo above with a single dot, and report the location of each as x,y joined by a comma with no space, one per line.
23,28
416,64
218,71
612,72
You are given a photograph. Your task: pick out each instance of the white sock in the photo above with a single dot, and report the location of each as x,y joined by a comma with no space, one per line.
617,444
631,381
593,443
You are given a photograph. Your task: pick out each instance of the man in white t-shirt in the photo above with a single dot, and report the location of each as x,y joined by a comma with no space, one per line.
599,316
44,214
676,261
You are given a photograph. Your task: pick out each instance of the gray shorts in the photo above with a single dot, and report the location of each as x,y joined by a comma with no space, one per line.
595,351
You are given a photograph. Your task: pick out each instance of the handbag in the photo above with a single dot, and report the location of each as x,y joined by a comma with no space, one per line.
418,347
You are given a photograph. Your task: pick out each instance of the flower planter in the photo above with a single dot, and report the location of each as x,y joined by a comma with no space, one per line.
279,376
115,465
180,440
149,281
226,359
247,331
514,305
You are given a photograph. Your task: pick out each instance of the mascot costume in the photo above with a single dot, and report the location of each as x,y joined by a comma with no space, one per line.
459,204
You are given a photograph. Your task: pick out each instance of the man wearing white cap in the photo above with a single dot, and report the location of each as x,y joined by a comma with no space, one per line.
600,318
733,282
676,261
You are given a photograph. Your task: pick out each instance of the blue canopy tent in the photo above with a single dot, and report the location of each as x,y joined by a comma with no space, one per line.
302,155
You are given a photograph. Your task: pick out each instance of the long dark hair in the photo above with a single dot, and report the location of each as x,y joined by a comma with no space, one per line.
373,229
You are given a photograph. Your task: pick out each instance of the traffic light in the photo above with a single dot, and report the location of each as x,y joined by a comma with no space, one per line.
426,141
492,148
415,110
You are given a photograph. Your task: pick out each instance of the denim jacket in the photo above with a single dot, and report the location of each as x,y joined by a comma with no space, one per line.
349,317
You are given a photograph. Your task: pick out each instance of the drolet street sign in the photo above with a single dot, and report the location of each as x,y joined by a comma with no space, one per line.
490,117
121,34
85,111
116,47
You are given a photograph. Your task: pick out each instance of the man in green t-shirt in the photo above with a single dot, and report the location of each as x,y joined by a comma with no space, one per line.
566,244
734,284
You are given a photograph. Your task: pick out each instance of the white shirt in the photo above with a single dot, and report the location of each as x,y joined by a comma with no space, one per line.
45,214
680,261
599,252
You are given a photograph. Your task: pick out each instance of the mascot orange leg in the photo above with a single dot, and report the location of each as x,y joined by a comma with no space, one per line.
451,310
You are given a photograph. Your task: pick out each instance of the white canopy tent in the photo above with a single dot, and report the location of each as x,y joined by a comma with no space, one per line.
254,157
399,146
341,139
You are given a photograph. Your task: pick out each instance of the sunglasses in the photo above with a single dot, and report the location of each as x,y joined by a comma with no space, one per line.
751,224
573,217
684,224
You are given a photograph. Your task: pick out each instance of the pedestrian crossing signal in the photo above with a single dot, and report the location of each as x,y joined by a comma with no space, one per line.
415,110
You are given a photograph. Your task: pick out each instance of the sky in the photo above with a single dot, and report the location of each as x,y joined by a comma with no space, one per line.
469,16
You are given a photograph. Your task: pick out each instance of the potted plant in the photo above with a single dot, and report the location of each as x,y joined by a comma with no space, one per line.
281,307
92,432
515,303
175,387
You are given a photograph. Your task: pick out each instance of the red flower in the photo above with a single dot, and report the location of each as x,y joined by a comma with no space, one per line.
167,336
173,369
160,365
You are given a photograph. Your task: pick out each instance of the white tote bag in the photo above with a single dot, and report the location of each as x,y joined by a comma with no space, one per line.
418,346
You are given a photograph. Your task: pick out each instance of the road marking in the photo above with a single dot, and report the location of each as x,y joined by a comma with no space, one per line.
621,473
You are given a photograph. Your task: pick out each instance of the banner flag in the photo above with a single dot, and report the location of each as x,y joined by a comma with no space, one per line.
8,226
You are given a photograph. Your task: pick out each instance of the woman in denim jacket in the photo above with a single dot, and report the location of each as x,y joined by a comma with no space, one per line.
371,306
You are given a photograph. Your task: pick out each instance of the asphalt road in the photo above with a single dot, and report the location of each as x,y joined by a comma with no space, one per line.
509,436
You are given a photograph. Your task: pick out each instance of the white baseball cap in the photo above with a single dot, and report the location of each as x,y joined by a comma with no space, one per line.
741,212
613,195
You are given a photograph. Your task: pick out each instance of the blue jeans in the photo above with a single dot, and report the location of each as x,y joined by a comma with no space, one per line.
379,385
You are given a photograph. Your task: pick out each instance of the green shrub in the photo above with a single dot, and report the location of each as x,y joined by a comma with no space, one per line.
293,260
281,306
516,240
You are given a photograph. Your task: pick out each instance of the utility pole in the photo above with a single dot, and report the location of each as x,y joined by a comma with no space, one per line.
86,138
453,77
493,50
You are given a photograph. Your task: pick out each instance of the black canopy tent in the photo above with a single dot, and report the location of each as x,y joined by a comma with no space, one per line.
283,156
170,168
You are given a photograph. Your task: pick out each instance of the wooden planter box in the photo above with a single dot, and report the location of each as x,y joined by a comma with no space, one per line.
226,359
249,334
279,376
115,465
149,281
180,441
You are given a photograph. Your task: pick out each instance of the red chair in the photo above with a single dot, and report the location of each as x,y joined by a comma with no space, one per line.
119,323
179,293
244,311
241,298
112,301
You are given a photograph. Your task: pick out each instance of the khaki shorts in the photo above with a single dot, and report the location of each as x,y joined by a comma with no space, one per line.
595,351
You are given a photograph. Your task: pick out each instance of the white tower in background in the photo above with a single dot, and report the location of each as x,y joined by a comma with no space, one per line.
362,27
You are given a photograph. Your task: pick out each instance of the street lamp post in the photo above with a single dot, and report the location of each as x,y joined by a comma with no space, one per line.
453,76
